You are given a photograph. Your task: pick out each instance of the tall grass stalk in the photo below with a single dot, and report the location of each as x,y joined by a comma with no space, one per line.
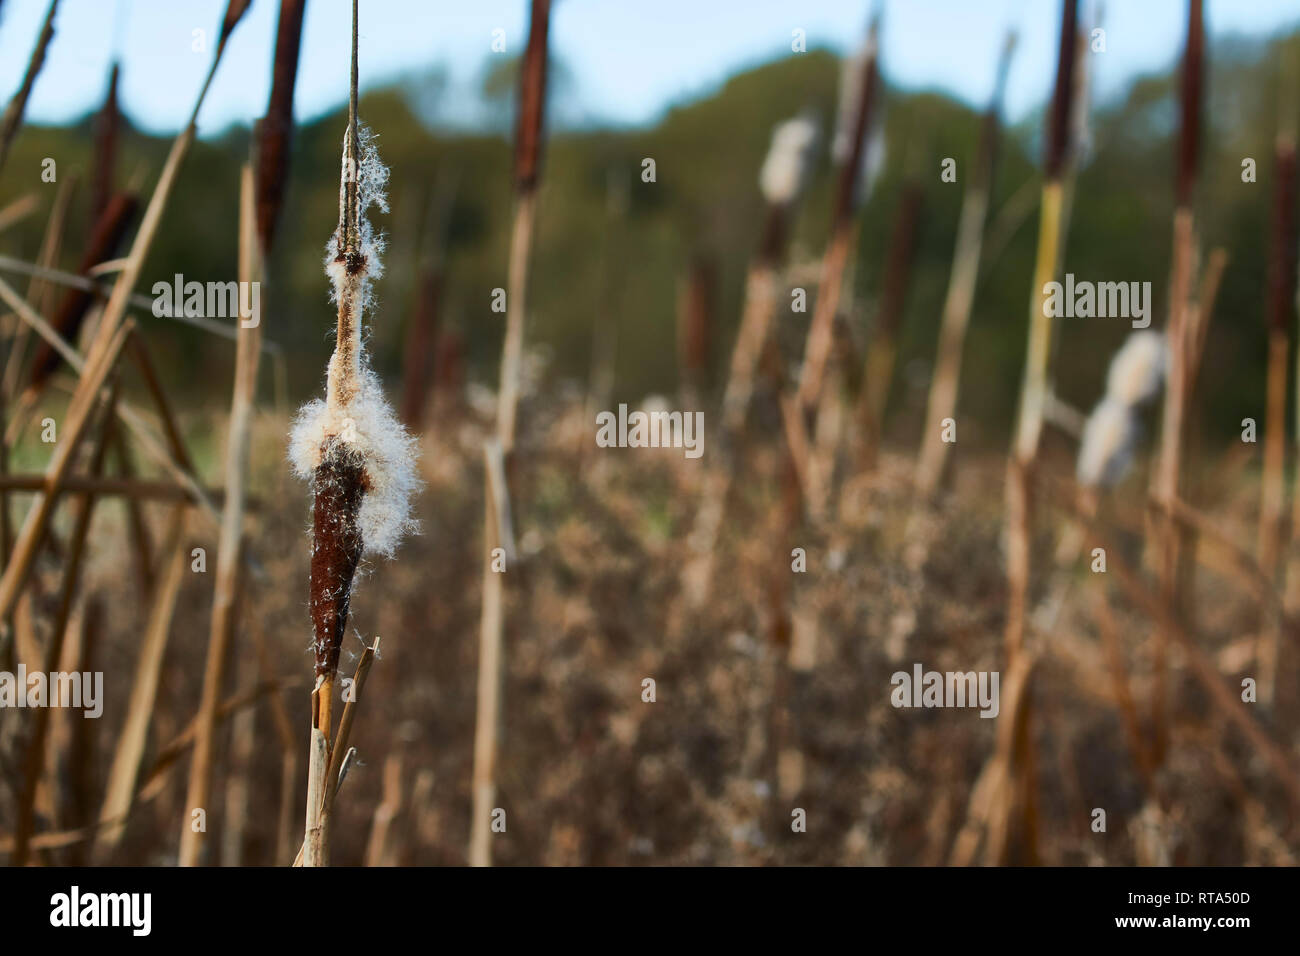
960,298
106,345
528,147
13,114
1176,394
230,542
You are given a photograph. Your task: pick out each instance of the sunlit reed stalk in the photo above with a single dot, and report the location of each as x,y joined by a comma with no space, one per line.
1172,420
1033,391
960,297
358,458
817,347
1011,819
497,532
13,115
782,179
230,541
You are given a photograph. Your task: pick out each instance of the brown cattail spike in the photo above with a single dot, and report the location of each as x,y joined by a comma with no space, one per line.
13,115
277,126
106,126
108,233
1189,137
1058,137
340,482
532,99
849,172
235,11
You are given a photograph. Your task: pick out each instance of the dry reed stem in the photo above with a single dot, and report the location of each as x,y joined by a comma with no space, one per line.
34,764
155,779
521,238
73,281
379,848
75,423
125,768
1222,697
498,533
528,145
960,297
13,115
18,210
38,287
1169,464
103,352
133,489
230,542
324,781
993,787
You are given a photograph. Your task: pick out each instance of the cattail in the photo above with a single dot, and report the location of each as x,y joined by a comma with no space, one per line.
106,129
277,126
1138,369
1107,447
782,178
1110,435
351,446
1059,125
1193,80
857,96
532,99
789,159
13,115
104,240
357,456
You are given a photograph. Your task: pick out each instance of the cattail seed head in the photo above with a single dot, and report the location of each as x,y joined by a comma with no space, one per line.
1109,437
1193,81
1058,137
1138,369
789,159
532,98
358,457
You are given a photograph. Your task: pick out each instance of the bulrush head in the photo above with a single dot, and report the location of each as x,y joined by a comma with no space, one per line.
1110,435
358,457
1138,369
1107,446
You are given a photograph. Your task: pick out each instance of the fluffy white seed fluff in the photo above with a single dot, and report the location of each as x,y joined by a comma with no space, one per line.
368,429
1137,370
1109,437
852,73
359,418
372,181
789,159
851,76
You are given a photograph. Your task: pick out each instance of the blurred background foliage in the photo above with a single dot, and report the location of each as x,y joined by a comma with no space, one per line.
596,264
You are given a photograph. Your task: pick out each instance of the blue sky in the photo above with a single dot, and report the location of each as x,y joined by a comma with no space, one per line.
629,59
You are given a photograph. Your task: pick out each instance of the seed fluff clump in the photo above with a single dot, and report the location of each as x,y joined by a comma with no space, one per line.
358,457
